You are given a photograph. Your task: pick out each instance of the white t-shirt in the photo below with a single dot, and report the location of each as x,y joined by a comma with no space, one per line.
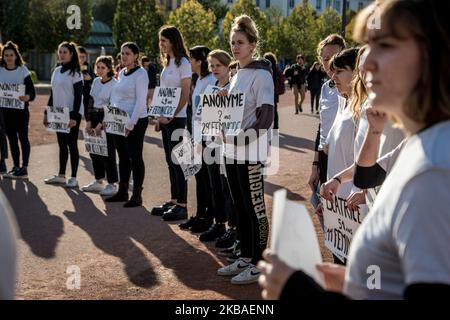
406,234
8,250
340,143
257,84
101,92
329,104
130,95
16,76
62,88
172,75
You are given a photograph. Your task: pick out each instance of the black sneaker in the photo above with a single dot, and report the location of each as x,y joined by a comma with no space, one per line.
3,169
175,213
227,239
214,232
159,211
21,173
187,225
228,252
11,173
200,225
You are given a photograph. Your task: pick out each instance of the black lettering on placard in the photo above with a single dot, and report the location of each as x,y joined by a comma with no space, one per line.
58,126
115,127
10,87
167,92
10,103
163,110
339,206
228,101
339,240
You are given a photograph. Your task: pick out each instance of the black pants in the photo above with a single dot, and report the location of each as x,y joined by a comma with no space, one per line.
229,207
68,142
216,190
3,142
275,119
17,130
205,205
178,185
102,164
130,151
247,189
315,96
323,167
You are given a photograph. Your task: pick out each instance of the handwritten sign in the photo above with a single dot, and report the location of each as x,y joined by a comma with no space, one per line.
58,119
188,155
115,120
222,113
294,238
9,95
340,225
165,101
96,144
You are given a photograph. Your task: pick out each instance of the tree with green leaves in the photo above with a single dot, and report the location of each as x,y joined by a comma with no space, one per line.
249,8
328,22
48,23
275,37
14,22
197,25
137,21
219,9
298,29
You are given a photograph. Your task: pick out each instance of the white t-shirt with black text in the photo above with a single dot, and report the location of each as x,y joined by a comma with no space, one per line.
172,75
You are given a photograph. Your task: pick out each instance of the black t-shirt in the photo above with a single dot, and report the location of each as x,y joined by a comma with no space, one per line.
299,74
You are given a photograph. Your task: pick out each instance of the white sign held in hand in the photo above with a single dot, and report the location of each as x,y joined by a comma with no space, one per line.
294,239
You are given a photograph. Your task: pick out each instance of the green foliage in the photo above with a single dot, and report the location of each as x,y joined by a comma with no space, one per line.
47,25
216,6
137,21
328,22
197,25
13,22
300,30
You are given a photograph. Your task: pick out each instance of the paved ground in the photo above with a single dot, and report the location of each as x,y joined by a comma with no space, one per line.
129,254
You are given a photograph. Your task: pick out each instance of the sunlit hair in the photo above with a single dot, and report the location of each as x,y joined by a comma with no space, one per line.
359,92
426,21
74,63
332,39
221,55
248,27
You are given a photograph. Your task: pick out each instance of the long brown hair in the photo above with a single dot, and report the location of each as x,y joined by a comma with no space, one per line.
359,91
14,47
175,37
427,22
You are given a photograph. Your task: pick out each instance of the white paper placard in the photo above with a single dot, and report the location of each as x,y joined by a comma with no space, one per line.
9,96
115,120
96,144
58,119
294,239
188,156
165,102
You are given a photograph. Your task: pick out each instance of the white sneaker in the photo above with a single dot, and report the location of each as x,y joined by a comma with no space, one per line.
93,187
55,180
109,190
234,269
72,183
249,275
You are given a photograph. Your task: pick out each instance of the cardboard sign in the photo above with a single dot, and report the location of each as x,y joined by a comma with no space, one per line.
294,239
115,120
9,96
58,119
188,155
96,144
340,225
165,101
222,114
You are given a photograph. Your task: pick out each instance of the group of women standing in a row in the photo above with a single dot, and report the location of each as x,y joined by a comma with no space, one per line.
227,191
